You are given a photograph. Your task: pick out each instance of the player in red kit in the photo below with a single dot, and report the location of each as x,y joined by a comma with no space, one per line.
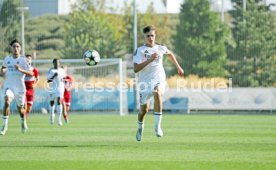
29,83
68,84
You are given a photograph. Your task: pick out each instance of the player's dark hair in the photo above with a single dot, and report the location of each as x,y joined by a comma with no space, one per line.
14,41
29,55
148,28
54,60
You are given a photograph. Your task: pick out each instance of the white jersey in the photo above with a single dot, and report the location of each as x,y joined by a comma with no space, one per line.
14,79
155,70
57,84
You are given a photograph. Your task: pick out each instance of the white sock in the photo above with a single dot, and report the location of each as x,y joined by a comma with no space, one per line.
157,119
59,110
53,110
140,125
23,121
5,120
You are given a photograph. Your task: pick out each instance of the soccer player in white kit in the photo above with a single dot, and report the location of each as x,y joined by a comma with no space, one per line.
56,77
14,69
148,63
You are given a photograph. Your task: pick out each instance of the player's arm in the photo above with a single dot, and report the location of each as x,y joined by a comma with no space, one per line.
70,80
36,75
172,58
139,67
3,68
3,71
27,72
52,77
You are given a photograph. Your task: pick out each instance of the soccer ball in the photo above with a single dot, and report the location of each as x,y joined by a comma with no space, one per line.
91,57
44,111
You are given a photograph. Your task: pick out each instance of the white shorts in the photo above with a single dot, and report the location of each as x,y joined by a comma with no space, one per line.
146,91
18,96
56,94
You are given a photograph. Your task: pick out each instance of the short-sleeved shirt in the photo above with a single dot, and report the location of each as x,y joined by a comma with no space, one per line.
14,79
57,83
30,80
155,70
68,82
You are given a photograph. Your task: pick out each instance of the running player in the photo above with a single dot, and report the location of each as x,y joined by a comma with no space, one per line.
148,63
55,77
30,81
14,68
68,83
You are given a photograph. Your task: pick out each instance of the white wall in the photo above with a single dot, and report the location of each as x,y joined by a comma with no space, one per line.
226,99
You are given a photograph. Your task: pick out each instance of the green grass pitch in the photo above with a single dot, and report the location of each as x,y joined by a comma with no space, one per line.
108,142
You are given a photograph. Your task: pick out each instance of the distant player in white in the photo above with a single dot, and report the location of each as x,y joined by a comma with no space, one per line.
14,69
55,77
148,63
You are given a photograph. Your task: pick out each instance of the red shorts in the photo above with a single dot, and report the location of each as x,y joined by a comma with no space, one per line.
67,98
30,97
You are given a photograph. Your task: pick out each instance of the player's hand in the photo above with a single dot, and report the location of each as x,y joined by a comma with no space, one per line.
18,67
2,72
154,56
180,71
51,79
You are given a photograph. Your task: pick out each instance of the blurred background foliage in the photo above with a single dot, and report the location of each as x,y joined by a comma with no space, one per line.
242,47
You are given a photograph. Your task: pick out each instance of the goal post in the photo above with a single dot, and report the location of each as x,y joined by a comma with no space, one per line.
123,88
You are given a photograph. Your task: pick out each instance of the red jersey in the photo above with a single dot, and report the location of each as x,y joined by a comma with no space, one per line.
68,82
30,80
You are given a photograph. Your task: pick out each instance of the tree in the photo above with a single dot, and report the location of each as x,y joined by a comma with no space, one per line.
9,24
9,13
200,40
254,31
127,16
161,22
45,35
90,28
150,17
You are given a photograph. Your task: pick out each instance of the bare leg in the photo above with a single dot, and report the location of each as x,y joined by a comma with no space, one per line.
143,111
59,109
158,111
6,108
28,109
141,117
157,102
6,112
52,112
65,112
22,112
